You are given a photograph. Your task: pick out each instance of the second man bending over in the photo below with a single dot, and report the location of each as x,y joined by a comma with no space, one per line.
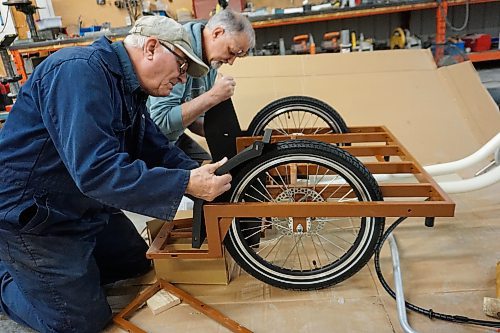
226,36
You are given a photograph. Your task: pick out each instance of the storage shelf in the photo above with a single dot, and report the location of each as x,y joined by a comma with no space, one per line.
484,56
346,13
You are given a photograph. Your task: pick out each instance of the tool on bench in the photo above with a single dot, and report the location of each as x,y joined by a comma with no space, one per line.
330,42
300,44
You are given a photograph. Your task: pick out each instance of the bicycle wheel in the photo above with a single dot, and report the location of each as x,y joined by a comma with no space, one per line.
297,115
321,251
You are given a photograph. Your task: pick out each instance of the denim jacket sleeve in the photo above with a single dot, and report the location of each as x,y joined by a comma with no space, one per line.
157,151
166,112
78,100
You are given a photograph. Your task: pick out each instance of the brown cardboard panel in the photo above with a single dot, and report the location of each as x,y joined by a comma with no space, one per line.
266,92
333,63
472,99
192,271
430,110
315,315
363,62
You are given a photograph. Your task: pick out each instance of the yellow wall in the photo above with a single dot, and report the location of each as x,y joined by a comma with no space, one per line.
90,12
93,14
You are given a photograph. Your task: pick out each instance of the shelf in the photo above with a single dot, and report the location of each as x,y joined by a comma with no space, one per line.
19,50
346,13
484,56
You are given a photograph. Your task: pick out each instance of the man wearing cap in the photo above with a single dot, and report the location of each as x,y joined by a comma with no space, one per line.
78,147
227,35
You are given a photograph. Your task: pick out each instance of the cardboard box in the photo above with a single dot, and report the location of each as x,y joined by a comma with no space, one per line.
439,114
190,271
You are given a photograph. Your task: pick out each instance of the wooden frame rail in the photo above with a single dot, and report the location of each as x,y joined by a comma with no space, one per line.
121,319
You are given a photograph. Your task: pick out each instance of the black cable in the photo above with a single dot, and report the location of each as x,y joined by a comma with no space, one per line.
6,20
430,313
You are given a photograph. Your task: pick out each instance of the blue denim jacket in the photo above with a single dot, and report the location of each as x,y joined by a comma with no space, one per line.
79,144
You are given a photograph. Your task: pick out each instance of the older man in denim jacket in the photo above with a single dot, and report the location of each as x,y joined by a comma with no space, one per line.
78,147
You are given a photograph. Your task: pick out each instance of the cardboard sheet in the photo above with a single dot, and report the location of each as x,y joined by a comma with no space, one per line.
439,114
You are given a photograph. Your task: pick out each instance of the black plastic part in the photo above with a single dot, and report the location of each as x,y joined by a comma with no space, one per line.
7,40
198,230
221,128
222,143
5,80
245,155
429,221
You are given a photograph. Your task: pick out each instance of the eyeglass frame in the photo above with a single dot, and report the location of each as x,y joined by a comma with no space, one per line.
183,64
239,54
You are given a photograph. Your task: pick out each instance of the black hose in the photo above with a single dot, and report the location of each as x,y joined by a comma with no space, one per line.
429,313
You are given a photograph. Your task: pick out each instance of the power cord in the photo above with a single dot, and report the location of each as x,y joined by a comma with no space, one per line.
430,313
6,20
466,19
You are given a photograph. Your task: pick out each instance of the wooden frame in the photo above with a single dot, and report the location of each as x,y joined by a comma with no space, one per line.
376,142
121,318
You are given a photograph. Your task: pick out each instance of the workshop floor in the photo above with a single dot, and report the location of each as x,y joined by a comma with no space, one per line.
449,268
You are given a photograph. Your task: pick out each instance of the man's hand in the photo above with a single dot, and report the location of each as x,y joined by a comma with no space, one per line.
204,184
223,88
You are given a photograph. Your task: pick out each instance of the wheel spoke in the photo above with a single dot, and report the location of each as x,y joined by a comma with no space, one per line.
283,250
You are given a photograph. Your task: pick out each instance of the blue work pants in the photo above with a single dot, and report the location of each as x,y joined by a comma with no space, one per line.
52,282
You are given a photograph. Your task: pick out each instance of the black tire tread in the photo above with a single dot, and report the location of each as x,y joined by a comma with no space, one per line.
295,100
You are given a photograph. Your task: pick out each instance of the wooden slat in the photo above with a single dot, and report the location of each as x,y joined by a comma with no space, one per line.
161,238
121,321
391,167
204,308
382,150
243,142
338,209
120,318
174,253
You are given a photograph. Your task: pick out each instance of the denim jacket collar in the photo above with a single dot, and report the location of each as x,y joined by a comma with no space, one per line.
130,78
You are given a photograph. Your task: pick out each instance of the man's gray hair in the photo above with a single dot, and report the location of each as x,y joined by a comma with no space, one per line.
232,23
136,41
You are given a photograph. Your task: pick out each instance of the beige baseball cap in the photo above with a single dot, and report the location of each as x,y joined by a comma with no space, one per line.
170,31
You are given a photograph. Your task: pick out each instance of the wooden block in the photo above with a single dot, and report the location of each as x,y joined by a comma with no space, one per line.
161,301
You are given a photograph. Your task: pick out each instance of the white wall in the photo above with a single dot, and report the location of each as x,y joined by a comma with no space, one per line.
46,10
7,22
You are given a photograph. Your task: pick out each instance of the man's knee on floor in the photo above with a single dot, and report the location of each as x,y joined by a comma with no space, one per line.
78,319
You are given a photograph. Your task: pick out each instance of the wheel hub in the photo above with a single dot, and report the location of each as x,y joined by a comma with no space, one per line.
289,225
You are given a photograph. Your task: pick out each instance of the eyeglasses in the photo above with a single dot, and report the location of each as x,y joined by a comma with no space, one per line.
237,54
183,63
